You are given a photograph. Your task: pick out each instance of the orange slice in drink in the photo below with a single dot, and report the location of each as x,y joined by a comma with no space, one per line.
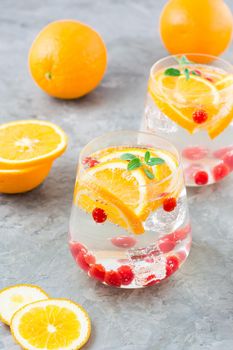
54,324
226,82
122,194
177,102
27,143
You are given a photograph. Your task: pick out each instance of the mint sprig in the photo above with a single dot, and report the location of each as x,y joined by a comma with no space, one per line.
135,162
174,72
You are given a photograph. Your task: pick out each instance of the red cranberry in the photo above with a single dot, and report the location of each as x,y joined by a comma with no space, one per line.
182,233
228,160
99,215
169,204
113,278
92,163
86,160
197,71
222,152
172,265
166,245
85,260
200,116
126,273
97,271
220,171
194,153
151,280
209,79
124,241
76,247
201,178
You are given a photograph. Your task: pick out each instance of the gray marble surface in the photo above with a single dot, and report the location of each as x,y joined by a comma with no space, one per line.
191,311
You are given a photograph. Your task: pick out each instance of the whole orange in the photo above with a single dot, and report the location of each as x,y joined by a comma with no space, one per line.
198,26
67,59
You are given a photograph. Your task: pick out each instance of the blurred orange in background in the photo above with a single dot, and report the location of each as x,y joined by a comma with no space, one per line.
67,59
197,26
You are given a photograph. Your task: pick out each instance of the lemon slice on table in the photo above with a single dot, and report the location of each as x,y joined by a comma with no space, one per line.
54,324
15,297
29,142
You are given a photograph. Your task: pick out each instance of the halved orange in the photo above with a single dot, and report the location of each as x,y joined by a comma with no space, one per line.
53,324
15,297
27,143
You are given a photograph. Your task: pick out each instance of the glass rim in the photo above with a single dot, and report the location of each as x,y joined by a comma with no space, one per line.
212,57
175,152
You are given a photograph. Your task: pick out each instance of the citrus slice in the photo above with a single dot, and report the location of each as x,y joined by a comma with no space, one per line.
117,212
220,125
196,90
167,107
227,81
129,186
28,142
15,297
53,324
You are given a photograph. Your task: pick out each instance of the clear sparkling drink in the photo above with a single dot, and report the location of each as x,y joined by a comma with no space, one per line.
190,102
129,226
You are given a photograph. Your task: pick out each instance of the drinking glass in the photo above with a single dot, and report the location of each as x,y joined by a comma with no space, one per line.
129,225
190,102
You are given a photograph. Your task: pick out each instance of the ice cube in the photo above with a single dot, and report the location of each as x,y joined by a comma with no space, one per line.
155,120
147,262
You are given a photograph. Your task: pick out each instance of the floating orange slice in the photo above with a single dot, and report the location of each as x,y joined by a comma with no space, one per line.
27,143
54,324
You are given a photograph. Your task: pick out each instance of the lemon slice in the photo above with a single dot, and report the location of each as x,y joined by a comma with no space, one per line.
227,81
15,297
53,324
28,142
196,90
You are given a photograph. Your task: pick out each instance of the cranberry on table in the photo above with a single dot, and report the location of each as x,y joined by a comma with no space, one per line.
113,278
220,171
126,273
97,271
99,215
169,204
200,116
201,178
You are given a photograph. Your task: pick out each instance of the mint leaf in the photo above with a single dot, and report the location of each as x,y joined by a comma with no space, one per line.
149,174
134,164
186,73
183,60
147,156
155,161
173,72
128,156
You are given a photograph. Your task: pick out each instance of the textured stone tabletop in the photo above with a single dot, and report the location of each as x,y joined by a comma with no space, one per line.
191,311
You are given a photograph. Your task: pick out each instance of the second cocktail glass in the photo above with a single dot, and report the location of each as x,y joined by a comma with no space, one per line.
190,102
129,225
